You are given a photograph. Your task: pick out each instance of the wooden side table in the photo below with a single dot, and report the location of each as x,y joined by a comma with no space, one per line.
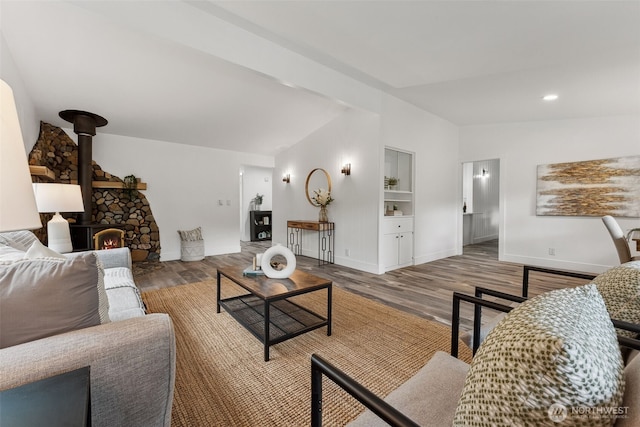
326,234
61,400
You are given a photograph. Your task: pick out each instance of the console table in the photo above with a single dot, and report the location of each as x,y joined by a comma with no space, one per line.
325,232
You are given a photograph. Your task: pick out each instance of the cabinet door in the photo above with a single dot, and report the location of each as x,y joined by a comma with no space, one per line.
390,250
405,248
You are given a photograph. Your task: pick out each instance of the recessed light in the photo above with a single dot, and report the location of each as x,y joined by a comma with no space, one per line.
550,97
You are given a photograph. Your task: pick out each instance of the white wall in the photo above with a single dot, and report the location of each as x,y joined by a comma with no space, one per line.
351,138
580,243
359,138
184,184
29,121
438,186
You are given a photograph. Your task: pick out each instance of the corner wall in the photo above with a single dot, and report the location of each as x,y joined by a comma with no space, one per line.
359,138
580,243
184,184
352,138
438,176
29,120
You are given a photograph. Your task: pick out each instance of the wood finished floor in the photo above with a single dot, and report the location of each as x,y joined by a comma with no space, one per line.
424,290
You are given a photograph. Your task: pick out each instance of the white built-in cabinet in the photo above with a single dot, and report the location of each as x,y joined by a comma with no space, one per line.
397,223
397,243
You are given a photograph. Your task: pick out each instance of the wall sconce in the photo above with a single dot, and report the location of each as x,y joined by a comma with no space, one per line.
286,178
346,169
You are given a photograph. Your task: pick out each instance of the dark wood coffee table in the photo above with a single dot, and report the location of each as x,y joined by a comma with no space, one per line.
266,311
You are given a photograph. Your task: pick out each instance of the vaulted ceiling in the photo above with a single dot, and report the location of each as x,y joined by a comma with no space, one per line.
145,65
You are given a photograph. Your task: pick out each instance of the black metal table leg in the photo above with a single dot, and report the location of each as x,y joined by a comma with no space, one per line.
266,331
329,295
218,294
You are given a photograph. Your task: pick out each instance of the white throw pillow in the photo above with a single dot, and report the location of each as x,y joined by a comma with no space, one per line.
9,253
38,250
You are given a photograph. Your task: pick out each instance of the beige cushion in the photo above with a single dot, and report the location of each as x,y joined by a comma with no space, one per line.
47,296
558,348
620,290
429,397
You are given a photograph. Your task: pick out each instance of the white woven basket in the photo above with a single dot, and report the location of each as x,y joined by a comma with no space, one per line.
192,250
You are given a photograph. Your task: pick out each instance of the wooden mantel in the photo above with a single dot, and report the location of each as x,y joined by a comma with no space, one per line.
116,184
46,173
42,172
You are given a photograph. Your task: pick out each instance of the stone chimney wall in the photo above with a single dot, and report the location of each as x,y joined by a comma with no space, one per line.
131,212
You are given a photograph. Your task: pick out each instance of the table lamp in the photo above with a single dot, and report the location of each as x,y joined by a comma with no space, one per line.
17,203
58,198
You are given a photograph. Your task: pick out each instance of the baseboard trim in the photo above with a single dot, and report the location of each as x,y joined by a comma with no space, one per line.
434,256
557,264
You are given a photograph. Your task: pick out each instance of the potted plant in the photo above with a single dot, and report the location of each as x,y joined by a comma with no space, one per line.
130,185
257,201
392,181
322,198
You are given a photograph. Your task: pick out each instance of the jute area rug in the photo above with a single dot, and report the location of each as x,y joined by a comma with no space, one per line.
223,380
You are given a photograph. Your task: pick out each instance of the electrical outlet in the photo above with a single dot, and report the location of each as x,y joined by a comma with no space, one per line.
552,251
347,252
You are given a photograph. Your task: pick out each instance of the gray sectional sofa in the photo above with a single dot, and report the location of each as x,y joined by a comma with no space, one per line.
131,354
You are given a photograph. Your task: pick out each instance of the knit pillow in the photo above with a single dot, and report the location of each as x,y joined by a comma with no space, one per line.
549,360
190,235
620,290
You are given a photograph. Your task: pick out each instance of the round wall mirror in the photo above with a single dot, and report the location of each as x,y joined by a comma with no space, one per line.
317,178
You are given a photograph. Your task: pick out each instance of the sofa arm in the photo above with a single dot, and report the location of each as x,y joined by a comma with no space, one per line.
132,368
117,257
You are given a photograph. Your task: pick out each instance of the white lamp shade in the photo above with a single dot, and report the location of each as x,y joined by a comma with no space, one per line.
52,197
17,203
57,198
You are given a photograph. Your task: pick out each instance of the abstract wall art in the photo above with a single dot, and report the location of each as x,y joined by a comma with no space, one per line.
590,188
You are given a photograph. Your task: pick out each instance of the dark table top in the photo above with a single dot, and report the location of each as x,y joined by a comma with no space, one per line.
298,283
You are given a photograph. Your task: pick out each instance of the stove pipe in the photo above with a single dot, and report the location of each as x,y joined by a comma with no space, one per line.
84,125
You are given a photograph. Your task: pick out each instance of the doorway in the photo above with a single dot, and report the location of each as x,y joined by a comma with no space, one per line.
481,205
253,180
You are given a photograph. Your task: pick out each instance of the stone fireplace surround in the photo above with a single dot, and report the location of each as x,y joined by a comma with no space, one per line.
110,206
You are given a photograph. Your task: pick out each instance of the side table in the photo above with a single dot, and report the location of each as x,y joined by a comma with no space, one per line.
61,400
326,235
